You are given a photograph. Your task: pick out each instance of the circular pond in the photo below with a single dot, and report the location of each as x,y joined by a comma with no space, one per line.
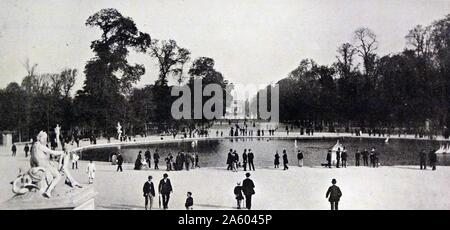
213,152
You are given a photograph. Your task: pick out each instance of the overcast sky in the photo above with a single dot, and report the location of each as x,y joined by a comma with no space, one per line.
252,41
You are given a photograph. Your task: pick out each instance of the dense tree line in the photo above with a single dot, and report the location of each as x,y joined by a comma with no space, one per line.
108,95
397,90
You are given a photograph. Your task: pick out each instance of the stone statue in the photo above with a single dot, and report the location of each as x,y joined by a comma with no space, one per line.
47,168
119,131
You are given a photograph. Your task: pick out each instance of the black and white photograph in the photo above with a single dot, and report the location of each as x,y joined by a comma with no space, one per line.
158,105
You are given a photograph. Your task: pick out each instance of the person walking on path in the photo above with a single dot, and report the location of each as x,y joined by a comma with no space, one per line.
149,193
329,158
248,188
235,161
365,155
230,160
357,157
344,158
238,194
276,161
300,158
423,159
26,149
244,159
285,160
75,159
14,150
189,204
338,157
251,156
334,195
165,188
433,159
119,162
148,158
156,159
90,170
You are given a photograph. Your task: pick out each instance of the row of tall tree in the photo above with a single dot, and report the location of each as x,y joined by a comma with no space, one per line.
108,95
364,89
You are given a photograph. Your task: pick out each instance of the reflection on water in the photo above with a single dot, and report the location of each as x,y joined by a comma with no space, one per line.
213,153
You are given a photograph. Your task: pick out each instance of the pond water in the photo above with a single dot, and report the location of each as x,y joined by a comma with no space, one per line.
213,153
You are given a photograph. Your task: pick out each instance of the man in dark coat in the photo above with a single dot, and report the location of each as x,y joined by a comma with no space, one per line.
344,158
334,194
300,158
329,158
423,159
365,156
251,156
165,188
14,150
285,160
230,160
148,158
156,158
433,159
248,188
244,159
119,162
26,149
149,193
357,157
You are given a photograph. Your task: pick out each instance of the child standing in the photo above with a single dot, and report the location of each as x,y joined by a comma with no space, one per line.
238,194
90,170
189,201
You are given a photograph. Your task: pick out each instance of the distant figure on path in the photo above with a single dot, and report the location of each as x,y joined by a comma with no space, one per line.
14,150
148,158
329,158
334,194
119,162
230,160
156,159
26,149
251,156
423,159
433,159
338,157
149,193
90,170
276,161
138,162
238,194
365,156
196,160
357,157
235,161
344,158
248,187
165,188
189,204
300,158
285,160
75,159
244,159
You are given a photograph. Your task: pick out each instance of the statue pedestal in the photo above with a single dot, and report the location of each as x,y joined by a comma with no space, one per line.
63,198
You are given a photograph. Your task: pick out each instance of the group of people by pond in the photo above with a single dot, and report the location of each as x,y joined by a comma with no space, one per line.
183,160
247,159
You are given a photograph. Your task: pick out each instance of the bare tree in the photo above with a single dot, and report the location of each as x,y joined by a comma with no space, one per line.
419,38
171,59
366,45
